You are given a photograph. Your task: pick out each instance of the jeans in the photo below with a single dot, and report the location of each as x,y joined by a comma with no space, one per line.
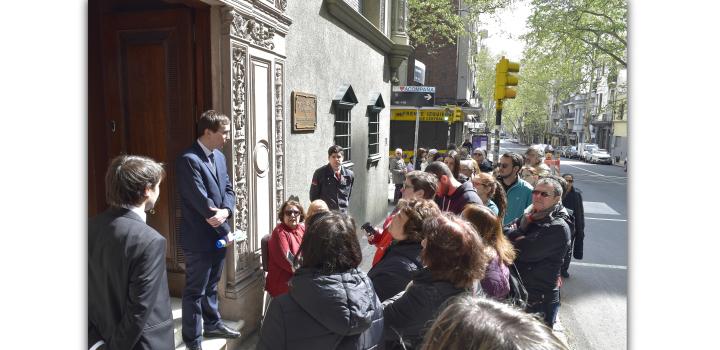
546,304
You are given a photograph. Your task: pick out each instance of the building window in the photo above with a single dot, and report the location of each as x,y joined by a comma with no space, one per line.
342,104
343,131
373,112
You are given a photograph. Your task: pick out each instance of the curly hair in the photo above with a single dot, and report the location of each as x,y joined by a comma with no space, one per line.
453,250
416,211
288,203
471,322
489,227
330,243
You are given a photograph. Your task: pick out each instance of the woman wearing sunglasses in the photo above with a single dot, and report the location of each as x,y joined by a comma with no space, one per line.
541,237
283,246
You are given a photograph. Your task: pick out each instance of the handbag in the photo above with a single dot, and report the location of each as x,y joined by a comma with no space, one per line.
518,295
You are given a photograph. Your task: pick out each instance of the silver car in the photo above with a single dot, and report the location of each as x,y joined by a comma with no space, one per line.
600,156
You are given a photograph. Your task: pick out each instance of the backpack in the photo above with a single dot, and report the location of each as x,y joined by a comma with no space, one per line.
518,295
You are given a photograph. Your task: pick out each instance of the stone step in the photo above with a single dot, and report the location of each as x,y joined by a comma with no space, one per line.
207,344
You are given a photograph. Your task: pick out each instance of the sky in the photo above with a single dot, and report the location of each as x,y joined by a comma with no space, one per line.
505,28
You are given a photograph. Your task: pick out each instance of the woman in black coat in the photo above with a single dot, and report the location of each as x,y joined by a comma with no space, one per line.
394,271
574,203
331,304
454,260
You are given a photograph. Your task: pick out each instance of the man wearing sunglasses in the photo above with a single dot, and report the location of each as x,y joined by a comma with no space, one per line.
517,190
541,237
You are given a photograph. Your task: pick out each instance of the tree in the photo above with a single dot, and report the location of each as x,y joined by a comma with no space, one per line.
438,23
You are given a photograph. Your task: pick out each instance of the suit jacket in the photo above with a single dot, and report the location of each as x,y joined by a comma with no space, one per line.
128,297
199,191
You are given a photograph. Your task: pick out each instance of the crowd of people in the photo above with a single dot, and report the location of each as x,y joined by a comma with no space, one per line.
441,272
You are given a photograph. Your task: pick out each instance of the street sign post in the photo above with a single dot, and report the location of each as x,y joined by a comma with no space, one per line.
417,96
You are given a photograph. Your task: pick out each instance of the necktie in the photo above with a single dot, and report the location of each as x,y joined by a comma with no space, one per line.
211,158
337,176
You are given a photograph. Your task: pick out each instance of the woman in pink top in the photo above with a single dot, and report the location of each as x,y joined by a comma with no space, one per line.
283,247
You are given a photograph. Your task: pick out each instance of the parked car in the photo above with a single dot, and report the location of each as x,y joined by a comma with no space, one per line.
600,156
587,151
561,150
570,152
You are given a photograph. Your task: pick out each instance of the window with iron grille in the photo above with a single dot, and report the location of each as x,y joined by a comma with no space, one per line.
343,130
373,133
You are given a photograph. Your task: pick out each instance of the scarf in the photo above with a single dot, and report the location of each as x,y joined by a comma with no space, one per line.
531,215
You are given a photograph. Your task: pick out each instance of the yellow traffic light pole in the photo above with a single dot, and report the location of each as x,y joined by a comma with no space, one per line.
503,79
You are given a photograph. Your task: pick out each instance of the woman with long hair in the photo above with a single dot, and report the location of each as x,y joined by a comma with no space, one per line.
496,282
491,193
330,304
452,160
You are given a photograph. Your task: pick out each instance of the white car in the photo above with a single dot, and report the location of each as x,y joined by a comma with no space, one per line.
600,156
587,151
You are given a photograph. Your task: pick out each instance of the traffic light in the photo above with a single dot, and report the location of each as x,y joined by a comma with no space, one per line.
504,79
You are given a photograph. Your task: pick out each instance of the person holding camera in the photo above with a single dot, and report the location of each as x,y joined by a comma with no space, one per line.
394,271
417,184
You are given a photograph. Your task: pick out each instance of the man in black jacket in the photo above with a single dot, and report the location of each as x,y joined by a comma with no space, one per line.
573,202
332,182
541,237
128,298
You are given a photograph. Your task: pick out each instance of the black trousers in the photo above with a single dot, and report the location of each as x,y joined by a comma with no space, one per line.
568,256
398,194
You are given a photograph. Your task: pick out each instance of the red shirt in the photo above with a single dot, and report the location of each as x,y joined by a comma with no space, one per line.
283,240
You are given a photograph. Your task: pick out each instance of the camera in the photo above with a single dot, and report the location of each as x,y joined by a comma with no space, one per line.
368,228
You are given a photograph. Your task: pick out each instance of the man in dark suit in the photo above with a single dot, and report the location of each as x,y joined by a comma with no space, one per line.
332,182
207,201
128,298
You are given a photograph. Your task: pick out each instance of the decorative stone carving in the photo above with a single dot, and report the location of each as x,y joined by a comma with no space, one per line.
250,30
399,17
282,5
279,132
239,116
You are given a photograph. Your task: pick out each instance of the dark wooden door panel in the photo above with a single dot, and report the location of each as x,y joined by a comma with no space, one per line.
149,99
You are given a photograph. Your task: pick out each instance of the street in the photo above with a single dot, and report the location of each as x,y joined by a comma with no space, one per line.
593,308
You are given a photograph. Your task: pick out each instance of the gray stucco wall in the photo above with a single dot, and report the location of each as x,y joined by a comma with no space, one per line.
322,55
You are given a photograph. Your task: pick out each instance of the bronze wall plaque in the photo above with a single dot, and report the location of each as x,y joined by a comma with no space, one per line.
304,112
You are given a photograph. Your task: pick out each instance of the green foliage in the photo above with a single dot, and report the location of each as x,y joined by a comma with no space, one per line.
438,23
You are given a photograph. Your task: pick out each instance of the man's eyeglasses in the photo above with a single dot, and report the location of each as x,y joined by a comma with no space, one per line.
543,194
292,212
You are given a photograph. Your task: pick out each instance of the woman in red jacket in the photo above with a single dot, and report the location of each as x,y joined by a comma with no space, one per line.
283,246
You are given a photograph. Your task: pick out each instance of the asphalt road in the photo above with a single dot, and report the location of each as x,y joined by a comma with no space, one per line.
593,309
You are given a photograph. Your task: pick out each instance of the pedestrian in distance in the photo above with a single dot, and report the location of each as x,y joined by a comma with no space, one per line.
333,182
472,322
432,155
541,237
480,156
452,159
517,191
496,283
128,297
398,171
421,159
467,145
394,271
534,158
451,195
207,201
573,201
529,174
454,261
331,304
417,185
283,246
